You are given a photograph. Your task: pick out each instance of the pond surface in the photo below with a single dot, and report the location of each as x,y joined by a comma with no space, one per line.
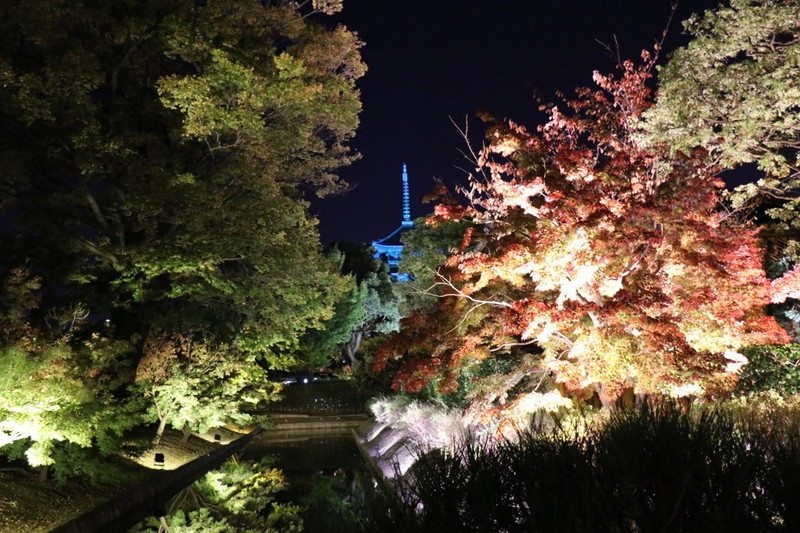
313,454
325,476
313,443
336,397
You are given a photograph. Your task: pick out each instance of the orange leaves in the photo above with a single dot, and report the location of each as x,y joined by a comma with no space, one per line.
446,212
160,351
614,206
466,239
520,195
447,207
612,263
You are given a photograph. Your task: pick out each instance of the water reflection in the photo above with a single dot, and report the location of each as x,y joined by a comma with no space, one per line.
314,454
326,477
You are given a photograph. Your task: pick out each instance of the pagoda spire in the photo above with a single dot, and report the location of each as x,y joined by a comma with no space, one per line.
390,248
406,200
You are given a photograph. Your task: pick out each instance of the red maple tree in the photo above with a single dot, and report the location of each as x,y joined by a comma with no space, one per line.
612,260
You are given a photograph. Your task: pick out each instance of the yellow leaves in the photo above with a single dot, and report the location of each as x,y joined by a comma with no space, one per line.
334,53
596,355
541,327
581,173
288,67
578,285
515,417
328,7
568,267
505,145
535,401
609,286
686,390
705,334
520,194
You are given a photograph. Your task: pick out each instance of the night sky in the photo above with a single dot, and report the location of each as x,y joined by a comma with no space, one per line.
431,61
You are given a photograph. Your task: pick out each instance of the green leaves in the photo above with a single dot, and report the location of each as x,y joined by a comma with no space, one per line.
771,369
369,306
41,401
239,496
224,106
181,135
153,161
734,91
198,385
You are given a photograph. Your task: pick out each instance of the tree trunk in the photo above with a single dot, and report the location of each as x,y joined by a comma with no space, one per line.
186,434
44,473
162,425
163,526
606,402
628,398
352,347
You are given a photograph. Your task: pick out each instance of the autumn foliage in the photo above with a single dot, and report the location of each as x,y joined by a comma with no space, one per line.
595,260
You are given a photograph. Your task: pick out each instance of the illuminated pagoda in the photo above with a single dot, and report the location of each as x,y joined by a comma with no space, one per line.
389,249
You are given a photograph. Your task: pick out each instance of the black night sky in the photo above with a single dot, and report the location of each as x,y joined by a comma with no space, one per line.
431,61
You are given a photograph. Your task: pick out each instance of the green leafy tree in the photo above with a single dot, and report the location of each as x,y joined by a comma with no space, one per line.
239,496
43,402
154,161
370,306
153,155
771,368
57,388
379,301
193,387
734,91
323,345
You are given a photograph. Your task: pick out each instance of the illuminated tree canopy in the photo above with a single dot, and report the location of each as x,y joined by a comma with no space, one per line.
159,157
196,386
596,260
733,88
154,160
734,91
57,386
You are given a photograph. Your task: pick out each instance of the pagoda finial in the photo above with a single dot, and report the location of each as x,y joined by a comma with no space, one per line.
406,200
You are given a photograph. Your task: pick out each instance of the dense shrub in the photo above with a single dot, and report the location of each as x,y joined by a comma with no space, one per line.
655,468
240,496
771,367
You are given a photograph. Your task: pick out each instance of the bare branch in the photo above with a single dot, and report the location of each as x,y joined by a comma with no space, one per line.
509,344
461,294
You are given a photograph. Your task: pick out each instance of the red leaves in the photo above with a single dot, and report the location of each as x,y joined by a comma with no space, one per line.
416,374
610,258
448,207
466,239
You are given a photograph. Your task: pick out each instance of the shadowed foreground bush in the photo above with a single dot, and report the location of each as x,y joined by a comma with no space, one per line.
652,469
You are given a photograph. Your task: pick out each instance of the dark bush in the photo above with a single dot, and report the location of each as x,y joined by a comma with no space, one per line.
654,468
